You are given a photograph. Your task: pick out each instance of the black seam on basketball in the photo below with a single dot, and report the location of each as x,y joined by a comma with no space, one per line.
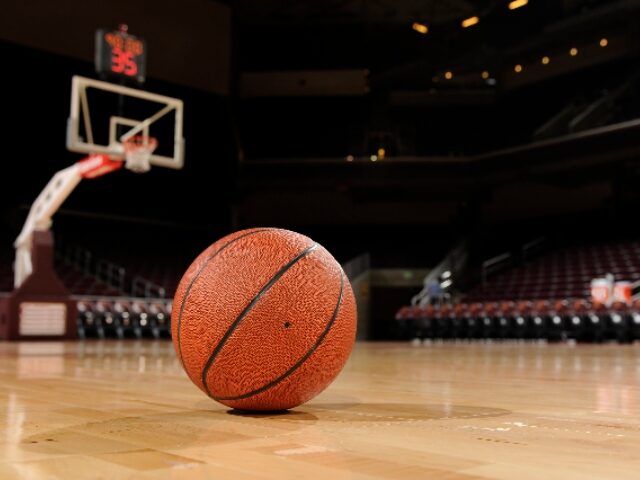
197,275
247,309
305,357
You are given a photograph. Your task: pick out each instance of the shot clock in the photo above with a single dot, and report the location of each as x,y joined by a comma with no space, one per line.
119,54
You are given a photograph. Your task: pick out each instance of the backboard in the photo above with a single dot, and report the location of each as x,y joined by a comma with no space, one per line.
104,115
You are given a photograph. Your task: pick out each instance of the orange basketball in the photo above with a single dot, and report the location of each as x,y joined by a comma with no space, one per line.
263,319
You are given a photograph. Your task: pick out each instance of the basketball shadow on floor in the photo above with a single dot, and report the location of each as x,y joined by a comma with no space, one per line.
289,415
353,411
398,412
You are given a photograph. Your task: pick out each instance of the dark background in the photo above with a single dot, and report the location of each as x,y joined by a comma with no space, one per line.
465,158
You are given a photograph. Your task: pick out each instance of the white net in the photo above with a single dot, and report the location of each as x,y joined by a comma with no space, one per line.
137,151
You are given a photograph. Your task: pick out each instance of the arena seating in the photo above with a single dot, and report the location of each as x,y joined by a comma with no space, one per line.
566,273
165,273
161,271
543,319
123,318
547,298
81,283
76,281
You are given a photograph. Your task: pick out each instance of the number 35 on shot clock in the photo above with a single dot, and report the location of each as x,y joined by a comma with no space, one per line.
119,54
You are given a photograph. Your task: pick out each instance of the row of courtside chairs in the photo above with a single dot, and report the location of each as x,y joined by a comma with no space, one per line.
552,320
124,318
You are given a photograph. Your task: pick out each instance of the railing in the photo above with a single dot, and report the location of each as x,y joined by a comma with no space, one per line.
357,266
507,259
78,257
529,249
495,264
112,274
146,288
448,269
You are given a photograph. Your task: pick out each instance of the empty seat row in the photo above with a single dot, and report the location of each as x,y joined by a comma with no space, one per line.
545,319
124,318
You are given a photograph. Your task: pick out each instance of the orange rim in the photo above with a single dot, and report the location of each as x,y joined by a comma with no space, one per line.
137,142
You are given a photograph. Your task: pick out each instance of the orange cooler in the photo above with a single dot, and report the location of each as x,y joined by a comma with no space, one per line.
622,292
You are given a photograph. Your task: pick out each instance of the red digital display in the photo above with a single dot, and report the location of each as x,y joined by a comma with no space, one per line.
124,51
120,54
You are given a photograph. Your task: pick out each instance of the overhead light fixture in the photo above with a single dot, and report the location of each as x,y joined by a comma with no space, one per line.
350,158
604,42
420,27
517,68
545,60
448,75
485,75
573,52
374,158
517,4
468,22
381,153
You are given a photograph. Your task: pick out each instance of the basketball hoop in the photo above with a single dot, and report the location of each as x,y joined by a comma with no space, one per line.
137,151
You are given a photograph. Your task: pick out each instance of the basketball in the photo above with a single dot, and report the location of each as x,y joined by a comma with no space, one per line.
266,319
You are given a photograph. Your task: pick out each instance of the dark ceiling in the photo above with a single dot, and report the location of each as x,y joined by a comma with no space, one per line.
377,35
273,12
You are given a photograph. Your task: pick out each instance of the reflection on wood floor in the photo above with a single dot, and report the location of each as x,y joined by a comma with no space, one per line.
456,411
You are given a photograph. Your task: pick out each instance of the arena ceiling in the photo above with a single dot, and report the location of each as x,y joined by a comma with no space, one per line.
358,11
378,35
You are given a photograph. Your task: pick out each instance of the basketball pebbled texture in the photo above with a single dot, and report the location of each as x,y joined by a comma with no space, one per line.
263,319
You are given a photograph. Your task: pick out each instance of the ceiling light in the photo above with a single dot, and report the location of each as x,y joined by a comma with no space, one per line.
604,42
517,4
573,52
420,27
485,74
517,68
468,22
545,60
448,75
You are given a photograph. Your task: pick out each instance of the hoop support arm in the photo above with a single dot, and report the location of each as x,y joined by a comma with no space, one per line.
47,203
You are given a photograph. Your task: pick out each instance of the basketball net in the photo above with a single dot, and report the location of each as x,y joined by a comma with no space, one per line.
137,152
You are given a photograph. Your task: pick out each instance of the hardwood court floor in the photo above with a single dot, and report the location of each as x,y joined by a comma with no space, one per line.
115,410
